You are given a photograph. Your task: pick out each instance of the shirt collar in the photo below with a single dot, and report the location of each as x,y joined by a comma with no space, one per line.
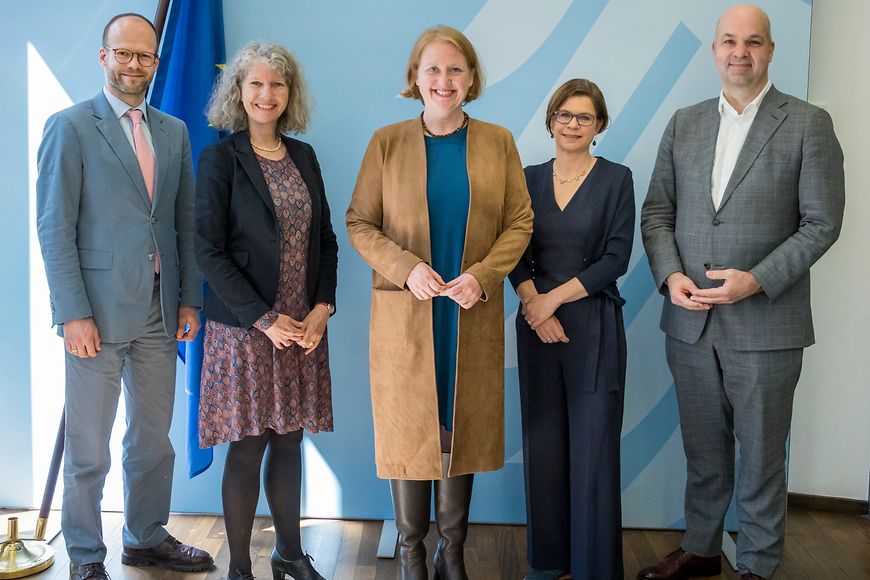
120,107
725,107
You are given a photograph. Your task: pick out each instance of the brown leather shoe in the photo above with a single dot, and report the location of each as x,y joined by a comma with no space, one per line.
751,576
92,571
680,564
170,554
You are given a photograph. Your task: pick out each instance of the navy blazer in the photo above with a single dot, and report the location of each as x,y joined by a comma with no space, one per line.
237,238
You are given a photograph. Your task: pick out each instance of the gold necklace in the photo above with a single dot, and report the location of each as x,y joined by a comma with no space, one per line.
570,179
451,133
266,149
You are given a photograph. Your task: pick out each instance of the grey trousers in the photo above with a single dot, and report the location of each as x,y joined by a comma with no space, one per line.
725,394
93,387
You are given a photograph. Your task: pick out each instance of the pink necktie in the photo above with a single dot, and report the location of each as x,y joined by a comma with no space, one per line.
143,151
146,160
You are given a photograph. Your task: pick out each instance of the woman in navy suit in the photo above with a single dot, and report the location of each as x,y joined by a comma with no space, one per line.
266,247
571,344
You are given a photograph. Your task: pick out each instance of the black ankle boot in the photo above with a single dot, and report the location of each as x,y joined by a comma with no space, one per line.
411,500
452,500
300,569
234,574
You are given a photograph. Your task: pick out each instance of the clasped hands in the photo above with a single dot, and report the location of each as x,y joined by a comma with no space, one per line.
307,333
425,283
737,285
539,312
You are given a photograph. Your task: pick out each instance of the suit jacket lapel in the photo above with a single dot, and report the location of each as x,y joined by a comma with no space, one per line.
161,150
768,119
246,157
110,127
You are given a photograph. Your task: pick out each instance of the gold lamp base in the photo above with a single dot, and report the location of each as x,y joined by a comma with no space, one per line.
21,557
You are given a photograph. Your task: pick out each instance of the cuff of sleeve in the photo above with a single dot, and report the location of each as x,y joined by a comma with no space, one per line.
486,284
767,280
266,321
402,268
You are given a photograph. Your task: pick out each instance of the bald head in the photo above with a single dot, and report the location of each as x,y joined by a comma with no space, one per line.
744,13
743,50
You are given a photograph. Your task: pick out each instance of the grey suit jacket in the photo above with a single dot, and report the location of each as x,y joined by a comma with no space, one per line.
781,210
98,230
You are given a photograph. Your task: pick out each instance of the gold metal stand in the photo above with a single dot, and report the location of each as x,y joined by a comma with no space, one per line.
24,556
21,557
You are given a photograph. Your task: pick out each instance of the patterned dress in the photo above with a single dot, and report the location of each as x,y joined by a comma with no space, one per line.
248,385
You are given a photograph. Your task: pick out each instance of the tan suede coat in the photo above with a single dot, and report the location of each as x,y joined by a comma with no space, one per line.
388,223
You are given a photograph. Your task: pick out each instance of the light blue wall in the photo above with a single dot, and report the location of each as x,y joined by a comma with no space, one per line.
648,57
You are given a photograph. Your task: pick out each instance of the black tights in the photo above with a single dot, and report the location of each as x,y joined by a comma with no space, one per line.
241,491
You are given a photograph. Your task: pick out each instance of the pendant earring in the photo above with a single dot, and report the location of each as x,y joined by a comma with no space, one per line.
594,143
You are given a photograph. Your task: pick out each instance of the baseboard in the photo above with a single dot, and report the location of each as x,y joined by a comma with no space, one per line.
828,504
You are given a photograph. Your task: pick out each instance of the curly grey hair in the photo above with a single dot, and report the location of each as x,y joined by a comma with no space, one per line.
225,109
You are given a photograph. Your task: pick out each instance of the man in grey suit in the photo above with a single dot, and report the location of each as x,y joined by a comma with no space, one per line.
747,193
115,222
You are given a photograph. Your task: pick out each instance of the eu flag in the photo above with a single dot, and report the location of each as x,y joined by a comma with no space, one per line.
192,51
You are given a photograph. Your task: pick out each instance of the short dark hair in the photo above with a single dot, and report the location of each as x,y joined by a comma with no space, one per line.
126,15
578,88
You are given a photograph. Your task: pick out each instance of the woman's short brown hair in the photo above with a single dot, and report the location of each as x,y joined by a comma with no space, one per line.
461,43
577,88
225,109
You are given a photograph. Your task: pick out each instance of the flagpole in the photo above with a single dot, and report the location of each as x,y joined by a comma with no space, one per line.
160,18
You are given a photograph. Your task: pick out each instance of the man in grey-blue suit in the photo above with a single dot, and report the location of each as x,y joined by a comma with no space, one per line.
747,193
115,221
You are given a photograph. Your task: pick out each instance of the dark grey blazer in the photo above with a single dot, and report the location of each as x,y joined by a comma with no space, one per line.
98,231
781,210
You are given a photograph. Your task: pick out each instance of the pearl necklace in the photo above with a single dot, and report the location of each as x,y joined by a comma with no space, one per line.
451,133
266,149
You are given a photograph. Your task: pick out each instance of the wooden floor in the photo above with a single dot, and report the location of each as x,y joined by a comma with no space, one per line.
819,546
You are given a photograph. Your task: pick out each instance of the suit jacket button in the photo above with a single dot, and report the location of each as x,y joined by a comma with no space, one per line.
154,220
707,266
151,257
715,222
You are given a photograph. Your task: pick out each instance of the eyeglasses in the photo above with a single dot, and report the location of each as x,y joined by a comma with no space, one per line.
583,119
123,56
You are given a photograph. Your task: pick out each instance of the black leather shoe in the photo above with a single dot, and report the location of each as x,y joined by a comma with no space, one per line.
236,575
92,571
300,569
679,565
170,554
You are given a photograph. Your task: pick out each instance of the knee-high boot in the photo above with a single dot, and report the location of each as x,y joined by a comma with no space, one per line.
411,500
452,500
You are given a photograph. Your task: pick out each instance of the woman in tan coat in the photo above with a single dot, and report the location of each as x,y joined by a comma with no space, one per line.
441,213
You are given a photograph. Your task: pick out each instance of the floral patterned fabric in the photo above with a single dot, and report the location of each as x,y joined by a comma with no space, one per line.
248,385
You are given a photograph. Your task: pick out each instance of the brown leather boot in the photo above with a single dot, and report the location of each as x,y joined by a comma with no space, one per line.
411,501
452,500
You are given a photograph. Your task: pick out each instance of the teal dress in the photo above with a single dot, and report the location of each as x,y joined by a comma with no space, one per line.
447,193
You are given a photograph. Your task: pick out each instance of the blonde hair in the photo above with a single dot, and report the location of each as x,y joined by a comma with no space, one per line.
225,109
457,40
